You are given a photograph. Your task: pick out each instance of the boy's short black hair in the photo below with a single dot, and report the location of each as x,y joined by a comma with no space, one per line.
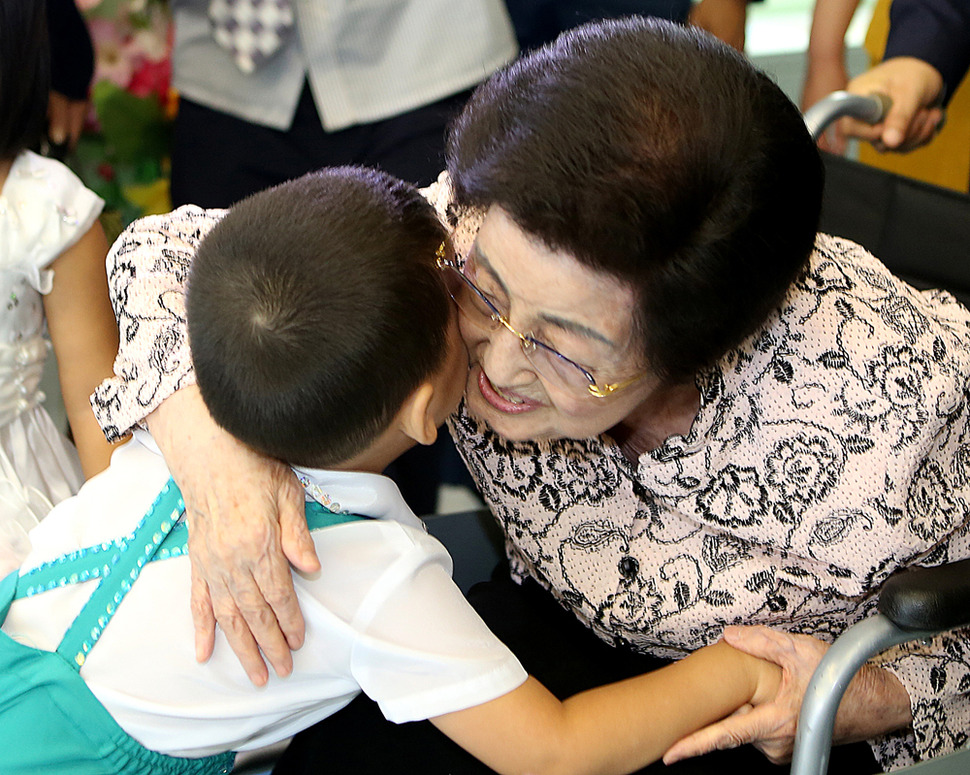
657,154
314,309
24,75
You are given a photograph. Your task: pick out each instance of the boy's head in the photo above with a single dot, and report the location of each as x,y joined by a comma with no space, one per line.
315,309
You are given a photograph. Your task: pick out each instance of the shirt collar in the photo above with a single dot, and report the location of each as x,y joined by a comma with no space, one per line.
346,492
355,492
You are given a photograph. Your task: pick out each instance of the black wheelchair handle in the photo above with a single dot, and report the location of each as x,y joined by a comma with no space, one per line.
928,598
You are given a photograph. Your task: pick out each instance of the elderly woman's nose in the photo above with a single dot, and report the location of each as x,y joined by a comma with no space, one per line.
503,359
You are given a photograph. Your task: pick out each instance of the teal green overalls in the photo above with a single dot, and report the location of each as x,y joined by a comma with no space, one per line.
49,719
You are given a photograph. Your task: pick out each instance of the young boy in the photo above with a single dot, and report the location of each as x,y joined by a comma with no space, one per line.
322,334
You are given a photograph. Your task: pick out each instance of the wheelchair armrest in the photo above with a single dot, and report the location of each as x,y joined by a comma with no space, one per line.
928,598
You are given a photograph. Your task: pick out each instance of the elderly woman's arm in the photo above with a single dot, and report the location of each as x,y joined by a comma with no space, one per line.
245,511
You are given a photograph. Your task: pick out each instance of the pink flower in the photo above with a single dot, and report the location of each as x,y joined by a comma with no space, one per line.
114,58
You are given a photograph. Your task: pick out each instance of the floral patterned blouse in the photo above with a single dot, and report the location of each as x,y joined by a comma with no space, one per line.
831,449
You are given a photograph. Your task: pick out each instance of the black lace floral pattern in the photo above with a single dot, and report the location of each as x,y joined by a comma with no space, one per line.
147,269
831,450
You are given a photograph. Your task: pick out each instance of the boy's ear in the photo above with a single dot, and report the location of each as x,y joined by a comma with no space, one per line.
417,416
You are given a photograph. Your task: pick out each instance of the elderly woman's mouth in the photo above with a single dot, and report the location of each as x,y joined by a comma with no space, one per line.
504,400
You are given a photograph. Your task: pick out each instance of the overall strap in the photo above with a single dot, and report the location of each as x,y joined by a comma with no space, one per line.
161,534
96,561
318,516
120,572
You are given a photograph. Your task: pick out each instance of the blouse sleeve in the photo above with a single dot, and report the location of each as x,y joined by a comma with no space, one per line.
147,270
936,673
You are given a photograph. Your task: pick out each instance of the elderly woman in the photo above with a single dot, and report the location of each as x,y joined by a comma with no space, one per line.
684,408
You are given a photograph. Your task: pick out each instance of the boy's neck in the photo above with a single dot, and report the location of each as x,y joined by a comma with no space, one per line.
387,448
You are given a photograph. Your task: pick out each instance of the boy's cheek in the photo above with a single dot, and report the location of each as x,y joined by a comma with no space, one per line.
457,370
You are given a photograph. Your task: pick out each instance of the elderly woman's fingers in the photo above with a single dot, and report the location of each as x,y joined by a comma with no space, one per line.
247,579
235,500
875,701
730,732
295,536
203,618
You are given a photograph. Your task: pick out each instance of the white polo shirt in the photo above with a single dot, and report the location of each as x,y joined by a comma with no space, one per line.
382,616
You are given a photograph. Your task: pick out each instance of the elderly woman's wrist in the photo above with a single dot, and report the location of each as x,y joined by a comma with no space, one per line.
876,703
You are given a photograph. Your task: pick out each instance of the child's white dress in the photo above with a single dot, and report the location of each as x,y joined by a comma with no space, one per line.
44,209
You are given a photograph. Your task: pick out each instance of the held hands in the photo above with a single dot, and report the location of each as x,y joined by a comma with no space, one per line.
915,89
246,520
874,703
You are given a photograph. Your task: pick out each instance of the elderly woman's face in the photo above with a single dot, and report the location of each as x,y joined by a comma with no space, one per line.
549,296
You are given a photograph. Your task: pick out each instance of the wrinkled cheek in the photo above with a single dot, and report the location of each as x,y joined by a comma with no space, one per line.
473,337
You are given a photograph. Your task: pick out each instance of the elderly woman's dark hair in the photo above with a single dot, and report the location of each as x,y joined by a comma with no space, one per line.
24,75
659,155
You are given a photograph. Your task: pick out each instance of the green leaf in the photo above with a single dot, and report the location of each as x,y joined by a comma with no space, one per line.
134,128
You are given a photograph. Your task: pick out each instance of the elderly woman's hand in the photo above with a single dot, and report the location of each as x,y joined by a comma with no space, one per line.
875,702
246,519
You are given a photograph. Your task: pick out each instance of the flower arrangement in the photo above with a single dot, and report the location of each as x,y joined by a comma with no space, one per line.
123,154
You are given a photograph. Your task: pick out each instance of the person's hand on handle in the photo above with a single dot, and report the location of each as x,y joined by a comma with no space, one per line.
246,525
915,116
875,702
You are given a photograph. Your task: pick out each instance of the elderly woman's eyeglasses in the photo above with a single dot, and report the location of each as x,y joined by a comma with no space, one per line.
475,305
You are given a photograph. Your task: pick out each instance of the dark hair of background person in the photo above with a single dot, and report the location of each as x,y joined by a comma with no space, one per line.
314,309
72,51
659,155
24,75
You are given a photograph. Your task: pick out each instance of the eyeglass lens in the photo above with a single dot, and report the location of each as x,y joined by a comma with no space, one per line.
548,362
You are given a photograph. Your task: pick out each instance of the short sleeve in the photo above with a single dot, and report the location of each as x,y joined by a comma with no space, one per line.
424,651
44,210
147,271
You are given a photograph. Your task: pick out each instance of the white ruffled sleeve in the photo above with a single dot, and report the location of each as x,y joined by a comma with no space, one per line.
44,210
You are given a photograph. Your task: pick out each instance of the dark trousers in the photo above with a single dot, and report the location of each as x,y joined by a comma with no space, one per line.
553,646
218,159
